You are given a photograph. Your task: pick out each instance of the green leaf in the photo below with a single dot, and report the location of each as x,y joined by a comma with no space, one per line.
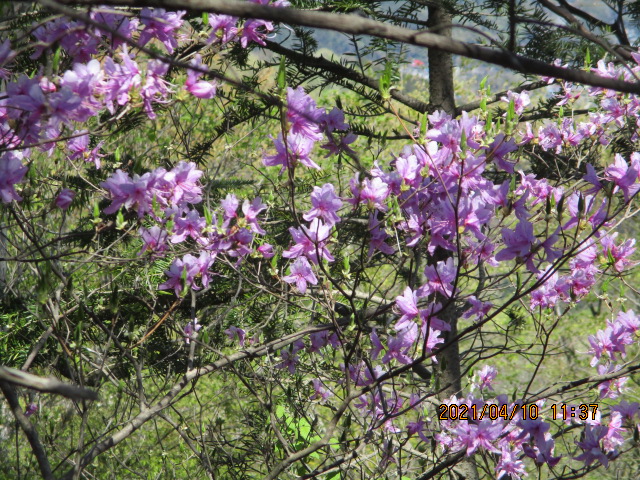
56,60
511,111
120,223
587,59
385,81
183,280
282,74
207,215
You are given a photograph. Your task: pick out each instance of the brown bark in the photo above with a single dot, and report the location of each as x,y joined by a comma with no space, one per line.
442,96
441,93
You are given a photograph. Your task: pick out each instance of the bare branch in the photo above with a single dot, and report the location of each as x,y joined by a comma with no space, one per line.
48,385
191,375
348,73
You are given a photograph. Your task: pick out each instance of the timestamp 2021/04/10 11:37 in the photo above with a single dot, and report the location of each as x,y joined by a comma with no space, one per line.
530,411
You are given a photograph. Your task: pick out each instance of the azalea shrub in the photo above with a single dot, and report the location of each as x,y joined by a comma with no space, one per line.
332,304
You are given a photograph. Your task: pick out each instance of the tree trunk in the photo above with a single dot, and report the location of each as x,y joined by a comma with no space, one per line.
442,97
441,93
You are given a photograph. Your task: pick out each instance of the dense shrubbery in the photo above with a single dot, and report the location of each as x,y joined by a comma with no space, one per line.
313,299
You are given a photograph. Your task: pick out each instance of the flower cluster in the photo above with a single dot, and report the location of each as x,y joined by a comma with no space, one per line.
306,124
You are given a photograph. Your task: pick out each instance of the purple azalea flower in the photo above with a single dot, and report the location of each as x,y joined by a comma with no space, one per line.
85,80
407,303
188,265
255,30
266,250
127,192
64,198
310,242
182,181
289,360
611,388
6,56
325,203
376,345
11,172
31,409
191,330
471,437
440,278
374,192
620,254
230,206
399,346
520,100
61,106
478,309
123,25
303,115
79,148
121,79
155,240
161,25
335,147
224,28
510,465
592,451
74,37
626,409
189,226
486,376
499,150
251,211
334,120
301,274
199,88
320,391
518,242
155,88
322,339
205,261
235,332
623,176
298,151
378,237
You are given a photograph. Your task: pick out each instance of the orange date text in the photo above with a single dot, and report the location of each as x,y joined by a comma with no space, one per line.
489,411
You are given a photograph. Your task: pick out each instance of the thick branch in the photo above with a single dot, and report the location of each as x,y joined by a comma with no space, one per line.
28,429
357,25
48,385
